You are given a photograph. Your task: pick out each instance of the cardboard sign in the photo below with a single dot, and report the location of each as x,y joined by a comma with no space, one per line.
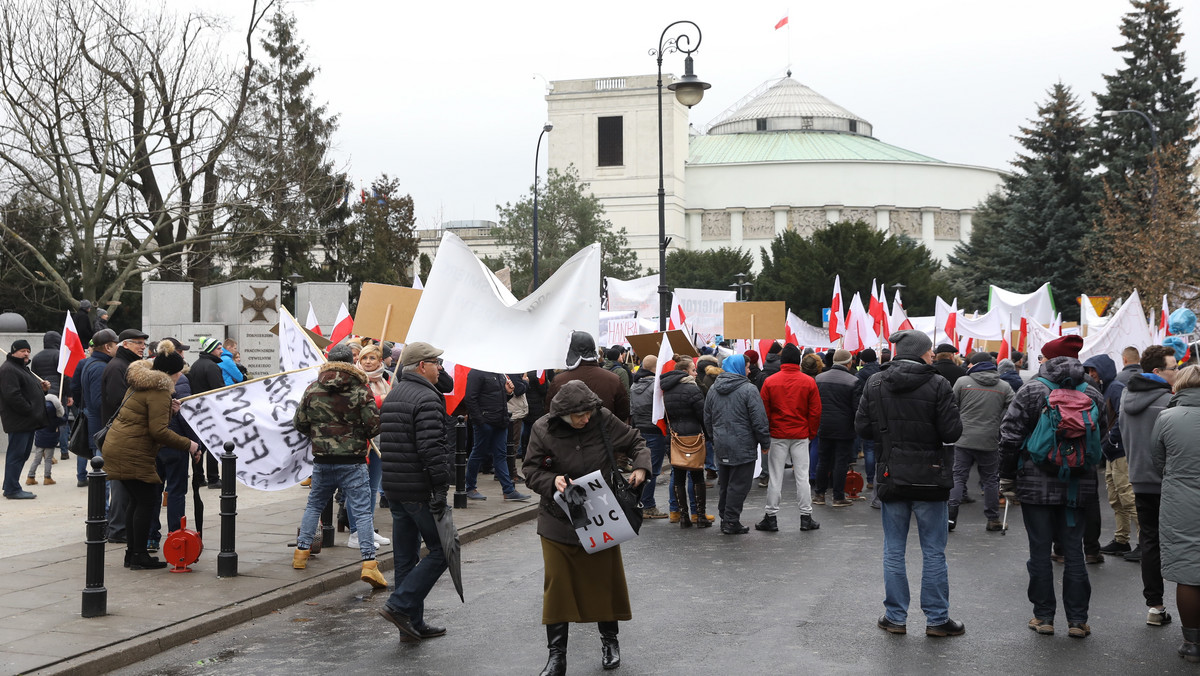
607,526
648,343
385,311
756,321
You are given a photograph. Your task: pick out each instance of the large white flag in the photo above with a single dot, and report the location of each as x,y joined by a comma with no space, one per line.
1039,305
658,408
256,416
296,349
467,312
1127,327
859,332
807,335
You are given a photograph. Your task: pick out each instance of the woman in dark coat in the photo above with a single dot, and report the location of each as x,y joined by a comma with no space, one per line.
684,403
579,587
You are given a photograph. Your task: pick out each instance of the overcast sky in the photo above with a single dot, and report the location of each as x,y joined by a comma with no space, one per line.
449,96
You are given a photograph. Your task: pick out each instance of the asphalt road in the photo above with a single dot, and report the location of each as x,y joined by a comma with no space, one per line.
707,603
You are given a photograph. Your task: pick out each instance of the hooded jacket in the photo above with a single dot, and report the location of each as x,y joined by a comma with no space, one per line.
917,408
88,390
708,368
1144,398
45,364
557,448
83,326
1035,485
415,440
56,416
735,419
1173,453
684,403
1128,372
864,374
230,373
1009,374
641,403
1112,388
838,402
771,365
602,383
982,399
142,426
22,402
337,411
792,403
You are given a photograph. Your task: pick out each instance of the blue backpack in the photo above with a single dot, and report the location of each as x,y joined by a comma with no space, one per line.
1066,439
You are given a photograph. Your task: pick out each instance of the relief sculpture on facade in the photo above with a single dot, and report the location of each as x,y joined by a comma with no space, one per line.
905,222
946,225
854,215
806,221
758,224
714,225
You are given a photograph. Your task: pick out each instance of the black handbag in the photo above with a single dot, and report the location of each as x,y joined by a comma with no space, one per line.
627,496
78,442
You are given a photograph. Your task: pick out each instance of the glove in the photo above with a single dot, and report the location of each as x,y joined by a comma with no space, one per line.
437,501
1008,487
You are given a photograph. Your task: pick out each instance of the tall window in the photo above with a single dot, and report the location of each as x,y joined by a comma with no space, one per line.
760,124
610,141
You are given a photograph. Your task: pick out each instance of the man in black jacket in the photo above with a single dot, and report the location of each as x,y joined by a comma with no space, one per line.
45,366
909,411
22,412
486,400
945,364
206,376
839,400
417,465
132,346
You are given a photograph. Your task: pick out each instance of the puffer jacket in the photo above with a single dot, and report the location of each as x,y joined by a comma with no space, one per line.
22,401
557,448
641,404
1145,397
45,364
486,400
838,402
338,413
707,370
864,374
684,403
88,389
418,454
917,407
206,374
1009,374
114,383
142,426
735,420
792,403
56,416
1174,454
982,399
1036,485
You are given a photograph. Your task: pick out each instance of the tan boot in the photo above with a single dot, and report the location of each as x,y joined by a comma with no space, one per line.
48,481
30,481
300,559
372,576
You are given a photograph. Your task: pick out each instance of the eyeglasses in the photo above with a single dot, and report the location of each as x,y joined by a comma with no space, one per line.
1173,368
432,361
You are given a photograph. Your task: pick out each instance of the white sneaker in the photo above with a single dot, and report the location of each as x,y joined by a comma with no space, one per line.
353,541
381,541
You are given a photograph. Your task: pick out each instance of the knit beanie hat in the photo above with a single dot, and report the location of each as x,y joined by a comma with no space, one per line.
790,354
20,344
910,343
166,359
842,357
207,345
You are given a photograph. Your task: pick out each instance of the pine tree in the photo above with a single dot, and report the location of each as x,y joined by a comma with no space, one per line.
713,269
378,243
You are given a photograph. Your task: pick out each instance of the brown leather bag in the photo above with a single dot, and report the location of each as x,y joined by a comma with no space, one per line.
687,451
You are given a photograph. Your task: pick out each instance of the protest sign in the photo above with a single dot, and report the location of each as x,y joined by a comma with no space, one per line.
257,417
618,331
296,348
639,295
646,344
385,312
705,311
607,526
755,320
1037,306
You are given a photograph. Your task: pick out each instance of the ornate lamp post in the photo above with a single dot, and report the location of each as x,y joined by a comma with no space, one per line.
742,286
689,90
536,153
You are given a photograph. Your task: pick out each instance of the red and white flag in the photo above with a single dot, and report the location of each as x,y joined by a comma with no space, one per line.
899,318
879,317
665,364
835,310
951,329
782,22
1056,325
1006,340
859,334
342,326
1164,325
71,351
459,373
311,323
678,319
1023,333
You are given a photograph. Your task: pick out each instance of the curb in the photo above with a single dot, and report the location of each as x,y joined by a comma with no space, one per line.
133,650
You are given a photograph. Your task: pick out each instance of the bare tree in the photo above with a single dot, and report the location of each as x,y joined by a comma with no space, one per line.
118,119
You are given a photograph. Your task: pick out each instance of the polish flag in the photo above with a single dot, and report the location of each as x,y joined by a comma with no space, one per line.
789,336
460,373
1005,340
1056,325
658,414
879,323
899,318
859,334
951,329
782,22
71,351
678,319
311,323
764,348
1164,327
835,310
342,327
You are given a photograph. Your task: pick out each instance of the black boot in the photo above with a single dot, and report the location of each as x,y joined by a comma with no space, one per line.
953,517
769,523
556,641
702,506
610,650
512,466
685,521
1190,650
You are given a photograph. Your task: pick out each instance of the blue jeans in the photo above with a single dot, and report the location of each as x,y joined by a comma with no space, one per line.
933,531
868,449
710,456
658,445
1045,524
375,474
494,441
814,457
412,523
356,485
173,467
19,446
64,436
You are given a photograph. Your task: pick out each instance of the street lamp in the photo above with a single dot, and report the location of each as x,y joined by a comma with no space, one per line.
295,278
536,153
1153,149
688,90
741,285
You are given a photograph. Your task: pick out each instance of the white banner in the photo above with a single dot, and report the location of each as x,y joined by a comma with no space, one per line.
602,336
607,526
987,327
296,349
1127,327
1039,305
639,295
257,417
808,335
704,310
1036,336
467,312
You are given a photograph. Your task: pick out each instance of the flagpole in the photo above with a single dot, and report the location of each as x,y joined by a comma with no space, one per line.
247,382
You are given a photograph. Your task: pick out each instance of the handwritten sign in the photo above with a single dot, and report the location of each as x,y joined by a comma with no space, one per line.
296,349
607,526
618,329
257,417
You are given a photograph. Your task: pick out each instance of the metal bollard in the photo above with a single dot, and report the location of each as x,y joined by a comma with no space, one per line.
95,596
327,528
227,560
460,463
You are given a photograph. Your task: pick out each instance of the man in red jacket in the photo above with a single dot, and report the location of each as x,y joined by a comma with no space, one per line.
794,412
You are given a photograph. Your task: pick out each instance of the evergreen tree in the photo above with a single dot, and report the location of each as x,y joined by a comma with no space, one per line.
974,265
378,243
714,269
293,192
569,219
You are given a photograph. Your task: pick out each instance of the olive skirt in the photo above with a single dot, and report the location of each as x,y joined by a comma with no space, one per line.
582,587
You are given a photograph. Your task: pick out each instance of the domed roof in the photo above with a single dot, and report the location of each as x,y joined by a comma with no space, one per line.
788,105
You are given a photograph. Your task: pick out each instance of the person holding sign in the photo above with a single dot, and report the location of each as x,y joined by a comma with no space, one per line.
579,587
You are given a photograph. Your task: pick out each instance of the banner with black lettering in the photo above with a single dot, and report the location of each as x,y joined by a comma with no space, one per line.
257,417
607,526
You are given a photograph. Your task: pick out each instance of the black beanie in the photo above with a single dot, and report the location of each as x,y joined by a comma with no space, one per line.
790,354
166,359
867,355
776,348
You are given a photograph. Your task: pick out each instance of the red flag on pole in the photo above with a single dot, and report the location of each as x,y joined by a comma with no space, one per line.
1023,332
835,310
658,408
71,352
782,22
311,322
342,326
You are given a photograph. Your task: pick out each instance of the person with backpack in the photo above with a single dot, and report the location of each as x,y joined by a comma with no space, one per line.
1049,450
614,361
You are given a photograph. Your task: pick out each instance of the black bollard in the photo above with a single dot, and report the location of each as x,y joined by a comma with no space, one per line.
460,463
95,596
327,529
227,560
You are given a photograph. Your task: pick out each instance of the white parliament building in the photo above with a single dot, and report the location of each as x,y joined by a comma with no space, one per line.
783,158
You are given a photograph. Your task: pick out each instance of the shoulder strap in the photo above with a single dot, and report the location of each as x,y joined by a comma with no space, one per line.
1048,383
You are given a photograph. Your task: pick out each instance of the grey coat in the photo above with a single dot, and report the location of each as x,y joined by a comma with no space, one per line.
1175,451
982,398
1143,400
735,420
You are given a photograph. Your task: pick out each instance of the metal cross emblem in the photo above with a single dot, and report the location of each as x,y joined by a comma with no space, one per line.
260,304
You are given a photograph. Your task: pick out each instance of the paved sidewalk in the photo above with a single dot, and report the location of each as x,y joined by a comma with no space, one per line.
41,578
